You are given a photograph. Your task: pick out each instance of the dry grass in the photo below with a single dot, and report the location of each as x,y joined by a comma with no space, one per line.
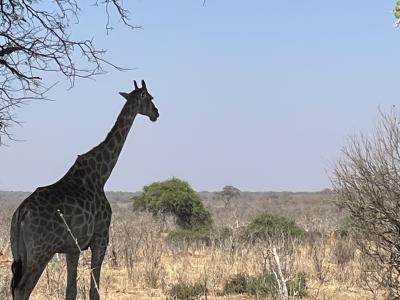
141,265
212,265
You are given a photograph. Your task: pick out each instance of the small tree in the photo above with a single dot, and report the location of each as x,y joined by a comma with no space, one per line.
227,194
176,197
367,182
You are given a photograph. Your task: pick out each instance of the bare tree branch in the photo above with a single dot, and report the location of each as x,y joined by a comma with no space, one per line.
367,180
35,39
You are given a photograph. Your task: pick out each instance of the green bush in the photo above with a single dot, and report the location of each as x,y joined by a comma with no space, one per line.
176,197
264,285
252,285
186,291
265,226
237,284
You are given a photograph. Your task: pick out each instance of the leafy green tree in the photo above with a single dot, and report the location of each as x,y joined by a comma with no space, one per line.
176,197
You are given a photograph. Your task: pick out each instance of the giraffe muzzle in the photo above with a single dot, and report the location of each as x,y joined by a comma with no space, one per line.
154,117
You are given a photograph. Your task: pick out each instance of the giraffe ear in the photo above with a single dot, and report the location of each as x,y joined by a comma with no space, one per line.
135,84
125,95
143,84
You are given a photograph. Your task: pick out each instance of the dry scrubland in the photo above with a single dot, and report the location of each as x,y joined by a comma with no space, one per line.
140,264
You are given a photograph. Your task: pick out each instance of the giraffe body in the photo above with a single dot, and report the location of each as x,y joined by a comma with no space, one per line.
37,229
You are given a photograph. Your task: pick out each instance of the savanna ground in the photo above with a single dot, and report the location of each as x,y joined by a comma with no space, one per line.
141,264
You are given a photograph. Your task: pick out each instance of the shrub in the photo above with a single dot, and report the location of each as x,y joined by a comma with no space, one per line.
366,181
237,284
186,291
265,226
265,285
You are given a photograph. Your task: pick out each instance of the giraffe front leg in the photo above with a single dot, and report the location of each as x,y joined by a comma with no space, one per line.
98,248
72,266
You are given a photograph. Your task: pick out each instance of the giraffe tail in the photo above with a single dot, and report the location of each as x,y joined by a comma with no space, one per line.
18,250
16,269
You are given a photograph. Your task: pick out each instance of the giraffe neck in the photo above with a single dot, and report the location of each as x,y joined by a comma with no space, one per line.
97,164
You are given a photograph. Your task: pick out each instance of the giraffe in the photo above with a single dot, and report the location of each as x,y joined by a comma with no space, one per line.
37,229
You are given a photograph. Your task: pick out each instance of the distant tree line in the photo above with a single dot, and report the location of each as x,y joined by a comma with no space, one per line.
194,221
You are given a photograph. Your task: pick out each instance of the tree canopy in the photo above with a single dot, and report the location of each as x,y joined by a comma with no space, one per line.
396,11
265,226
228,193
176,197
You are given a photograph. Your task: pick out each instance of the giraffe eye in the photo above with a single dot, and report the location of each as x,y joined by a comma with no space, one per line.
143,94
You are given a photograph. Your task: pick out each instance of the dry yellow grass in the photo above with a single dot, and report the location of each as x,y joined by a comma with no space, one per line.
141,265
214,264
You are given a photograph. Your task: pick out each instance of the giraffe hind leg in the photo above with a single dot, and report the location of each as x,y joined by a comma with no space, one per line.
30,277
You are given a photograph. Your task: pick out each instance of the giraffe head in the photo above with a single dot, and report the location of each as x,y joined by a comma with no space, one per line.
144,100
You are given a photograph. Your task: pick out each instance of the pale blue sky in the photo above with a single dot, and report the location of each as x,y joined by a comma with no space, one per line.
256,94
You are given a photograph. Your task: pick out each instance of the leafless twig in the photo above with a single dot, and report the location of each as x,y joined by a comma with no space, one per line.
35,39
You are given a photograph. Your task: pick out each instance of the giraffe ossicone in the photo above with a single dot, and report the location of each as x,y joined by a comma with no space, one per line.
73,214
